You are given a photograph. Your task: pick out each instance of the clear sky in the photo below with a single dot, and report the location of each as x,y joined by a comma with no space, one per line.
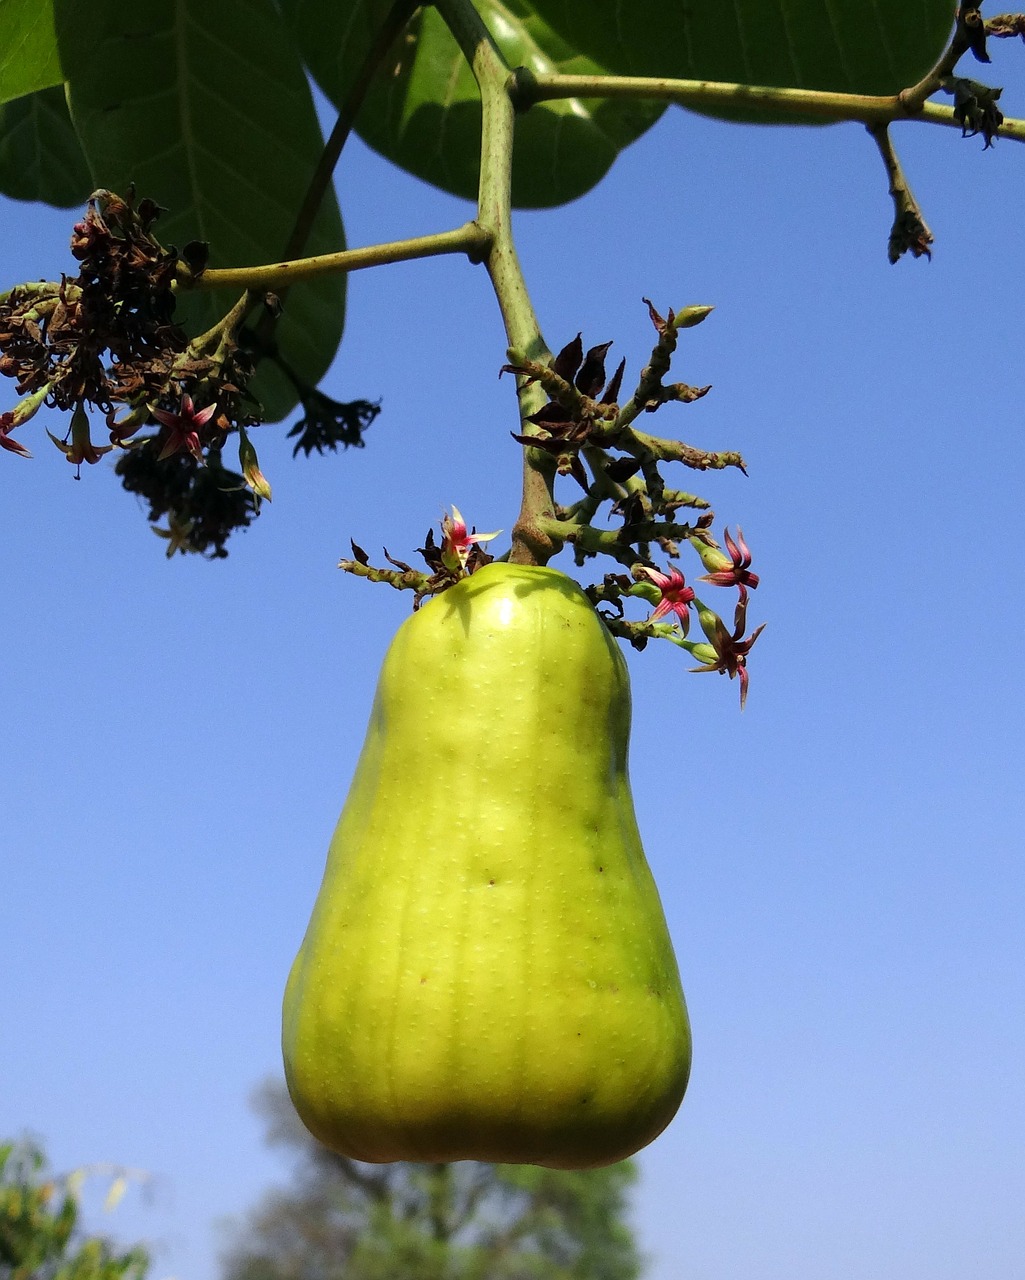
841,864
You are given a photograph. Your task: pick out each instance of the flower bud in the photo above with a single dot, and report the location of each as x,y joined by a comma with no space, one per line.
711,623
712,558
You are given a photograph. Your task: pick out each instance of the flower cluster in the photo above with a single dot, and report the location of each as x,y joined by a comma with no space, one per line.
975,108
583,432
106,336
106,340
672,600
201,503
723,650
328,423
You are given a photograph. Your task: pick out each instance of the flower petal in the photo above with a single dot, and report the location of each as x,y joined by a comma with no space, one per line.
13,446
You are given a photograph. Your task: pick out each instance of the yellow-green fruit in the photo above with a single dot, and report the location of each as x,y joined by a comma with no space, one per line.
487,974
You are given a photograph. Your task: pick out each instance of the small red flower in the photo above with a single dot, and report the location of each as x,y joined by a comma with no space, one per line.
676,595
734,572
726,653
456,542
184,427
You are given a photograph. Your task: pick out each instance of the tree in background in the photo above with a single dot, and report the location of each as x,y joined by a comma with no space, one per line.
40,1236
465,1221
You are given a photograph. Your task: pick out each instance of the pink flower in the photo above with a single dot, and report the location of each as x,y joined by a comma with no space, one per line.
184,427
726,653
732,572
456,542
676,595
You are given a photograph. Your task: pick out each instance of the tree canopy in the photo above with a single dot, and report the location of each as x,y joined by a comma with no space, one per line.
465,1221
40,1231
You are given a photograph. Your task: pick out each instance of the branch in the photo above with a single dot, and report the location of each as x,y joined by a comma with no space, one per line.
1006,25
470,239
647,447
910,230
810,104
620,544
227,326
913,99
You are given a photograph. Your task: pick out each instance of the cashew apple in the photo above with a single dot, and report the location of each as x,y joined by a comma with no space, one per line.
487,974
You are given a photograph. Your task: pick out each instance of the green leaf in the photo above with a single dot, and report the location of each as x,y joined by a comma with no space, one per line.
848,46
334,38
207,110
28,48
423,111
40,155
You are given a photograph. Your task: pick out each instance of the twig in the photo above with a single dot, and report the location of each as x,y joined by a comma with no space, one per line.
470,239
913,99
812,104
909,231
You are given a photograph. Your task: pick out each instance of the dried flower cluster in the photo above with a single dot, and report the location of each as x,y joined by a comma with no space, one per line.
106,342
106,336
975,108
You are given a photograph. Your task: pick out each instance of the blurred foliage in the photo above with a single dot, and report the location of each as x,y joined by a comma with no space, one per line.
40,1234
341,1219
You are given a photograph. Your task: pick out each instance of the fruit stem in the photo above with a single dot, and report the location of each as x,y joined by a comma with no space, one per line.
530,544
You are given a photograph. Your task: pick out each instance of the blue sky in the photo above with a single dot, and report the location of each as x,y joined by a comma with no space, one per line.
840,865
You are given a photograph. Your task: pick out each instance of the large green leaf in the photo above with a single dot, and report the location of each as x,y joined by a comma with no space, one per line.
423,111
336,38
40,155
207,110
851,46
28,48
